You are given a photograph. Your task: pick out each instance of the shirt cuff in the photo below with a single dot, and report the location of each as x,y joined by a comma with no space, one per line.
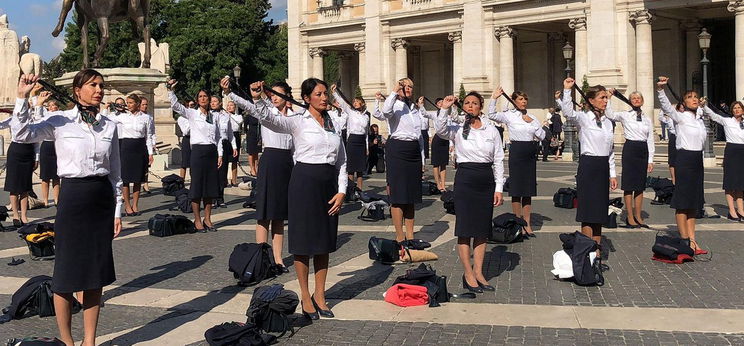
499,187
117,212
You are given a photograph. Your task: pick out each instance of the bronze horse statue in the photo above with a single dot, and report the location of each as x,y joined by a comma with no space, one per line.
105,12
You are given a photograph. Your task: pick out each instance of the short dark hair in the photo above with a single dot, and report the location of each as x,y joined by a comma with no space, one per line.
476,94
135,98
84,76
518,93
594,91
287,89
308,85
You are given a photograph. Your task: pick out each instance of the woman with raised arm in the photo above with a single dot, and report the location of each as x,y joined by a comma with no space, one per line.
206,155
88,215
688,196
317,186
404,155
596,172
733,158
638,156
478,183
523,130
272,186
357,148
136,150
229,151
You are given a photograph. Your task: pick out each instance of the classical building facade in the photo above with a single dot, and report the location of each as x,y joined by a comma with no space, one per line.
519,44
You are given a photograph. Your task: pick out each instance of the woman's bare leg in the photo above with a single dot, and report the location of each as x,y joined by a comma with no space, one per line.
277,239
479,253
135,196
196,207
63,312
45,192
730,201
320,265
527,212
24,207
638,209
55,186
628,199
125,194
463,251
302,268
91,311
409,212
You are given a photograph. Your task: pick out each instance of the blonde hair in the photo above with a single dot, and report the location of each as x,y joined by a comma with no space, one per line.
406,80
636,93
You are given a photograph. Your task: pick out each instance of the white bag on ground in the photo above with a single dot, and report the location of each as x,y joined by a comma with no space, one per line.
562,265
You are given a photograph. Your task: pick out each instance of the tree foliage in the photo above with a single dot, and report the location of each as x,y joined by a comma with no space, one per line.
207,39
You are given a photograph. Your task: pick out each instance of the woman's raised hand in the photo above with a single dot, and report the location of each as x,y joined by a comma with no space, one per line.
257,89
497,93
225,85
568,83
661,82
333,88
448,101
171,83
26,84
43,97
378,96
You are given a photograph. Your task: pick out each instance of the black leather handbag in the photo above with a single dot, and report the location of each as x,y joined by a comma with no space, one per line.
384,250
671,247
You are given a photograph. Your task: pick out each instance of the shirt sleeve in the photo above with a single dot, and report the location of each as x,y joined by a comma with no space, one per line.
150,137
230,134
37,150
444,130
714,116
611,114
567,105
498,162
26,132
613,172
494,114
276,123
650,142
389,106
539,132
667,107
343,178
177,106
378,111
114,176
220,147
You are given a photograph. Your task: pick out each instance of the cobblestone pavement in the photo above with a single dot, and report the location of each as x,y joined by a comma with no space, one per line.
170,290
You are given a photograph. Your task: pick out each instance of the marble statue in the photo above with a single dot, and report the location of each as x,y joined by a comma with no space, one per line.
160,55
9,59
30,62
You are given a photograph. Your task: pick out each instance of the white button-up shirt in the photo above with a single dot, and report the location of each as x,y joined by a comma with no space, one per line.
82,150
356,122
183,123
482,146
312,143
595,140
134,126
224,122
403,121
202,132
235,121
269,138
519,130
152,137
731,126
634,130
663,118
690,128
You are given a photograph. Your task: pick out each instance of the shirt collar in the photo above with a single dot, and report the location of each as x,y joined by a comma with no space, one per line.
79,118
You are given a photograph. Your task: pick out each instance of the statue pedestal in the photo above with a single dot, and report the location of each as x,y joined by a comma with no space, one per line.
148,83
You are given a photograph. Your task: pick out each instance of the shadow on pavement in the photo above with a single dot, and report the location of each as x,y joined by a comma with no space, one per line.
359,281
498,260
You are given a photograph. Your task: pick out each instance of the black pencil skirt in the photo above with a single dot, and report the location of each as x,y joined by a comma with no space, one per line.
635,165
48,161
227,156
688,185
186,152
238,147
733,167
672,150
439,152
474,189
20,159
356,154
522,169
593,189
84,231
425,136
205,179
403,159
272,186
311,230
251,140
134,160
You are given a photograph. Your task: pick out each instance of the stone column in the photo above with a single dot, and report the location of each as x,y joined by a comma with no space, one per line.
644,59
359,48
692,53
506,57
400,45
581,54
737,6
317,54
456,39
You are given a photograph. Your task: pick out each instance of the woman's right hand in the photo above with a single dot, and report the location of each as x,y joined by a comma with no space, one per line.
379,96
568,83
448,101
25,84
333,88
259,86
497,93
43,97
661,82
225,85
171,83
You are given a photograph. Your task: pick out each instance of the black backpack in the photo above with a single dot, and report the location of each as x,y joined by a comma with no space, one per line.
35,341
183,201
171,184
250,201
270,306
252,263
236,333
564,198
166,225
448,198
33,298
429,188
385,251
43,249
425,275
671,247
507,228
663,190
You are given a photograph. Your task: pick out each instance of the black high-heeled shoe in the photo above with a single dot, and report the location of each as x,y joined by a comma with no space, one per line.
628,225
17,223
470,288
732,218
313,316
486,287
325,313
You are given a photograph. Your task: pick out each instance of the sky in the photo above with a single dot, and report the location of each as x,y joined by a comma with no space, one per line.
37,18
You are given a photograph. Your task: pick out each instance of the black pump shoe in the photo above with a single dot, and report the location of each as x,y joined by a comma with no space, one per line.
486,287
470,288
311,315
737,218
325,313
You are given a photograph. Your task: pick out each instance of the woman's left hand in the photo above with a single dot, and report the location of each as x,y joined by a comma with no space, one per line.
117,226
336,203
219,162
498,199
235,152
650,168
150,159
613,184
